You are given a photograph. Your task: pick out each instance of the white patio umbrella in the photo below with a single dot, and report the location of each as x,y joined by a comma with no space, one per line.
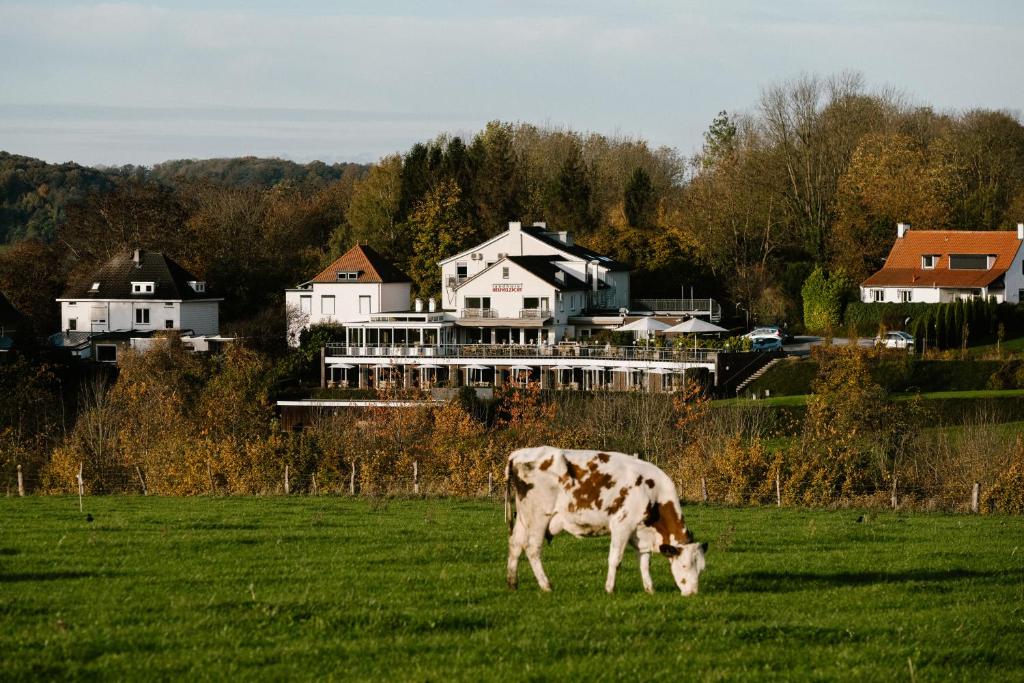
340,366
645,324
695,326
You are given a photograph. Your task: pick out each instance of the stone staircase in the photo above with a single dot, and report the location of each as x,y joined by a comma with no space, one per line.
743,385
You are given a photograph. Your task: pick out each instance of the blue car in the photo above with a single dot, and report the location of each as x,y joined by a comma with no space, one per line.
766,344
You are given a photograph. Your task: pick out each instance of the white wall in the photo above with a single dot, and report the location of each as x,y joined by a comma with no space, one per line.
1015,277
383,297
114,316
507,304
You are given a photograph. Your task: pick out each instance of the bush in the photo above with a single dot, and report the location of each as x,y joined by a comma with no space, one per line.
825,296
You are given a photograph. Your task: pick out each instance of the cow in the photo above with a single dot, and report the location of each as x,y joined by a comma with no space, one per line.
594,493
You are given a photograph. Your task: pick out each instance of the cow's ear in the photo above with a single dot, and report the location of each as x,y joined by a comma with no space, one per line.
703,547
668,550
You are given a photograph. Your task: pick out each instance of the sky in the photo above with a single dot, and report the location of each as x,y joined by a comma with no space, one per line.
114,83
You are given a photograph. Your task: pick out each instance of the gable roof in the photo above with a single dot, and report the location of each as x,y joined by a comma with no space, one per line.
362,259
544,268
903,265
542,234
115,279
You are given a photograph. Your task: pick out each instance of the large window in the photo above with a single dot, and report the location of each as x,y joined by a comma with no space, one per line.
477,302
327,305
968,262
536,303
878,295
306,304
461,270
141,316
364,304
905,296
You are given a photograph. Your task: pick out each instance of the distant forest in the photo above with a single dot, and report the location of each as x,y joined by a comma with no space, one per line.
814,174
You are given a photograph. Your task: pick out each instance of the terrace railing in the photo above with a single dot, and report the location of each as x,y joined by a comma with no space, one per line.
479,313
526,352
708,307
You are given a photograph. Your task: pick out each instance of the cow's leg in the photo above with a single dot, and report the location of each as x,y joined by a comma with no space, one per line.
645,570
516,545
534,543
618,547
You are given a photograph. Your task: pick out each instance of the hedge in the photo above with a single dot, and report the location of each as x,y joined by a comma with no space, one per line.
940,325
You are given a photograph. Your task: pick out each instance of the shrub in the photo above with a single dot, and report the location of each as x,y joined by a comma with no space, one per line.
825,296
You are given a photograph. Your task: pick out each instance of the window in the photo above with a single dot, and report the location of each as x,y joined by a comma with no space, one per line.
327,305
72,323
168,324
95,287
1020,296
461,270
197,285
477,302
168,305
306,304
878,295
905,296
143,287
535,303
504,272
968,262
347,275
928,261
141,316
106,353
364,304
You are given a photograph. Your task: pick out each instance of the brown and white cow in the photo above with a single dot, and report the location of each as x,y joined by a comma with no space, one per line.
593,493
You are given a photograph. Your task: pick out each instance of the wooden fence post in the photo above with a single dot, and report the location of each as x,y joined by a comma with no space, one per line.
975,497
778,491
895,499
490,484
209,474
287,488
142,480
704,488
416,477
352,480
316,489
81,486
21,483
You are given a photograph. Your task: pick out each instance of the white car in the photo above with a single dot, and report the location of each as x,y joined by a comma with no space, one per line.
896,340
764,332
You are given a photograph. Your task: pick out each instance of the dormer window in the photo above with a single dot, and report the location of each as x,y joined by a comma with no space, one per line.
143,287
197,286
928,261
347,275
970,261
95,287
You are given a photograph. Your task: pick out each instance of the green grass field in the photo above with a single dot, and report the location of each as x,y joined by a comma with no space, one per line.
272,588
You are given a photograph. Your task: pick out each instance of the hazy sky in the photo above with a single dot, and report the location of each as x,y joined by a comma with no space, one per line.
142,82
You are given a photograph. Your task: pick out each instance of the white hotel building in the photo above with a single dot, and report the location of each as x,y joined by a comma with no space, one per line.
519,307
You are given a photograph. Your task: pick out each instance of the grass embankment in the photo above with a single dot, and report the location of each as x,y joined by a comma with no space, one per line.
274,588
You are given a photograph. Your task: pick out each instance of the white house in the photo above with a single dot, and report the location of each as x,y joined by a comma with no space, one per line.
939,266
359,283
606,280
134,294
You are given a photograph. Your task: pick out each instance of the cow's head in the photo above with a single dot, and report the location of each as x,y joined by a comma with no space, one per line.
687,562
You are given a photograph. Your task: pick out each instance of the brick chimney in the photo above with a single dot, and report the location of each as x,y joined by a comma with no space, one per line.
901,229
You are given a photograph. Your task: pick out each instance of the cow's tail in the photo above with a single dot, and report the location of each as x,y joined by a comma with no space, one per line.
510,515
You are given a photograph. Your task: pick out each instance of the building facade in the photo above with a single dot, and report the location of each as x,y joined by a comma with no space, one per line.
940,266
134,295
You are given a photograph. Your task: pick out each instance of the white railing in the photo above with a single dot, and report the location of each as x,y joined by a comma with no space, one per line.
526,352
534,313
478,313
708,307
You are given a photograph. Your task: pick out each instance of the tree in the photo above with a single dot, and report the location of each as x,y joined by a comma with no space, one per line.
639,200
825,295
497,187
374,209
440,230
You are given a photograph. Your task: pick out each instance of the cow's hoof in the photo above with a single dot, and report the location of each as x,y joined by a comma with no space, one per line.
513,585
649,591
546,589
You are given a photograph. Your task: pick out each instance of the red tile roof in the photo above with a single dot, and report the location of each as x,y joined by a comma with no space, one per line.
362,259
903,265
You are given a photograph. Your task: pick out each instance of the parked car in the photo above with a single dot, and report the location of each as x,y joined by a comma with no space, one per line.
766,344
767,331
896,340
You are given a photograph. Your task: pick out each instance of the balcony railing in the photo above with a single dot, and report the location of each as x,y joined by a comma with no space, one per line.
478,313
534,313
708,307
545,352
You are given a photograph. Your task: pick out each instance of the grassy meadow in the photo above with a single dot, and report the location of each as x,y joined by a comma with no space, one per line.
375,589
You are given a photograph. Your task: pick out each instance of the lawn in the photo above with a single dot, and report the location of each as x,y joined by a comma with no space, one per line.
272,588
